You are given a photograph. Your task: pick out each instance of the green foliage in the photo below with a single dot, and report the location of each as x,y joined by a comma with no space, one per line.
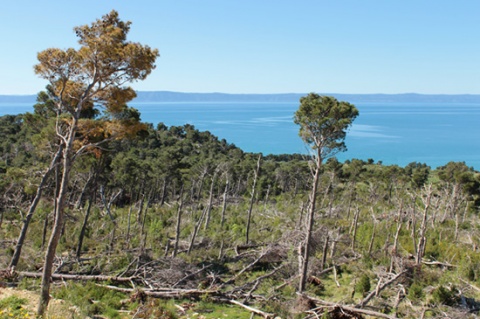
92,299
363,285
415,292
444,296
323,122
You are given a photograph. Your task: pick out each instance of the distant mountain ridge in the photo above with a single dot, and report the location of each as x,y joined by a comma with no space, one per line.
170,96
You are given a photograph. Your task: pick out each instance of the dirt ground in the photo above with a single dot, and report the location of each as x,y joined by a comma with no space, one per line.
56,308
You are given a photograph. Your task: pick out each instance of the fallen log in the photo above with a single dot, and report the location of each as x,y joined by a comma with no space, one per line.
379,288
165,293
265,315
349,309
438,263
231,280
29,274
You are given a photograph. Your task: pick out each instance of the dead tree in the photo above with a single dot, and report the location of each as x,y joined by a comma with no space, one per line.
222,219
354,227
422,241
210,201
252,199
179,221
33,206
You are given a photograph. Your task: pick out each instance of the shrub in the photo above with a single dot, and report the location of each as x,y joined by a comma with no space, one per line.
363,285
444,296
415,292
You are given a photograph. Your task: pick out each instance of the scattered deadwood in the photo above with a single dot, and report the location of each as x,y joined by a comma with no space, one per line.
191,275
190,293
438,263
379,288
246,268
254,283
334,313
265,315
166,293
347,309
29,274
239,249
469,284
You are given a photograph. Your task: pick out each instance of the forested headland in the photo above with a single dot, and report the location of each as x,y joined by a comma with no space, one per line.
143,221
165,213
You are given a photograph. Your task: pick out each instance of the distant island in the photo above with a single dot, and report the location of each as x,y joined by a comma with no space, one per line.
169,96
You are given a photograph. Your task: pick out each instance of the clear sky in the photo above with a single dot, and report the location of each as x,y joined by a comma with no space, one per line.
266,46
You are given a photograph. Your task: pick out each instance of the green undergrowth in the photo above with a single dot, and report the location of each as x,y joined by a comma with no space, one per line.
13,307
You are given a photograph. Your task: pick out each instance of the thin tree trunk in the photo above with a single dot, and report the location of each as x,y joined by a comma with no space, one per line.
129,224
84,228
84,190
147,206
210,201
423,228
140,208
201,217
372,239
350,199
222,219
252,199
58,220
414,226
179,222
324,256
164,191
300,216
44,233
224,206
397,233
354,228
266,199
195,231
31,210
309,228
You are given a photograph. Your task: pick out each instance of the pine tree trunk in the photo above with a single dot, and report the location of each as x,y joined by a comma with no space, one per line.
309,228
56,232
67,161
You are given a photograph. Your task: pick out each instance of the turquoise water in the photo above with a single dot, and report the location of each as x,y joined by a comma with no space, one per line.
394,133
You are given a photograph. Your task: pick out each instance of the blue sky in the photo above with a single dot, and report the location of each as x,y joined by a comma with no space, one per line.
266,46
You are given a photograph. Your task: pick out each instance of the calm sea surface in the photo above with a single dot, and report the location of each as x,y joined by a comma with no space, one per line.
394,133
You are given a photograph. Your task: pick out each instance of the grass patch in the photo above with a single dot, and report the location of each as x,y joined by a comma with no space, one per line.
13,307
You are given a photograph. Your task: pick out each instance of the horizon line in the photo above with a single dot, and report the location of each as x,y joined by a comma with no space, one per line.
283,93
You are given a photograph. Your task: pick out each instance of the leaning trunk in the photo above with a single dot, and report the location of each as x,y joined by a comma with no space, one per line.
58,220
31,210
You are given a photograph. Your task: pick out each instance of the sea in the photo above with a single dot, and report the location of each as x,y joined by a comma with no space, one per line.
387,132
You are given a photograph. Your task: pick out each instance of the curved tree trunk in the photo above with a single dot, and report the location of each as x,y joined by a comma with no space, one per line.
67,162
